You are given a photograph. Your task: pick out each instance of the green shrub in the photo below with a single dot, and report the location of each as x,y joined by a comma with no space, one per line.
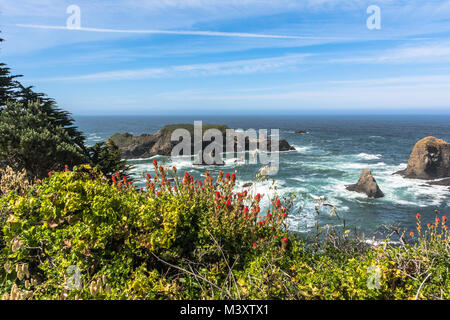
188,239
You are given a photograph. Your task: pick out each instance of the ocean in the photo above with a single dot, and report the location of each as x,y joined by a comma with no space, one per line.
326,159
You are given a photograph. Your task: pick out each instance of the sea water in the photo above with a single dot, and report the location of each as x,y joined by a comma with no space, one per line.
329,157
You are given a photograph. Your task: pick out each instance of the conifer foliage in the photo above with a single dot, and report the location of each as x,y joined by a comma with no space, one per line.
38,136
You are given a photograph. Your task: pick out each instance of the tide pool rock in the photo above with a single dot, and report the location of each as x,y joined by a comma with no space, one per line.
429,159
367,184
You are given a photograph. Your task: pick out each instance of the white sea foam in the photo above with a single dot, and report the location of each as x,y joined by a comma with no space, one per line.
377,243
359,165
366,156
301,149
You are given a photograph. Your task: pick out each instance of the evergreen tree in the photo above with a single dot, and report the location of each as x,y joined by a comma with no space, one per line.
30,139
37,135
108,158
8,84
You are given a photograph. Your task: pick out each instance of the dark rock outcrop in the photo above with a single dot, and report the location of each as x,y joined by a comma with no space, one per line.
429,159
301,131
443,182
367,184
148,145
283,146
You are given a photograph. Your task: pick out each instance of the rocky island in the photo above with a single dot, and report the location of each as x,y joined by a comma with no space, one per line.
160,143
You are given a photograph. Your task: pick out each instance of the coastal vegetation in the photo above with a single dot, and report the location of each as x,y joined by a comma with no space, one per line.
195,239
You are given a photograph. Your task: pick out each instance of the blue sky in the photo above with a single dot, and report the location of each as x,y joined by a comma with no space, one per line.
232,56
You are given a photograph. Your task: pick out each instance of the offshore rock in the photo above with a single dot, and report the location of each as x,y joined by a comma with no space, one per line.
429,159
367,184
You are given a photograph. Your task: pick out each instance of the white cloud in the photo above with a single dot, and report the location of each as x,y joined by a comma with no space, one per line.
426,52
432,91
274,64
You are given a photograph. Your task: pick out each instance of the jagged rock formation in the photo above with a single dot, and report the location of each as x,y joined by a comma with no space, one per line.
430,159
148,145
367,184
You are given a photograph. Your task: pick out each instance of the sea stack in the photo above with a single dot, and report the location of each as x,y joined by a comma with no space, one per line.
367,184
429,159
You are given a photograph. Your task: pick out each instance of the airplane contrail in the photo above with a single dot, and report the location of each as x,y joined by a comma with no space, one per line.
176,32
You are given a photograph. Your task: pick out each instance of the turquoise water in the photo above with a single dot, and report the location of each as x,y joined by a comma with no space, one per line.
326,159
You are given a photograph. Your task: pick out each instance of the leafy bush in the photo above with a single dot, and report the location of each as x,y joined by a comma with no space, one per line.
188,239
